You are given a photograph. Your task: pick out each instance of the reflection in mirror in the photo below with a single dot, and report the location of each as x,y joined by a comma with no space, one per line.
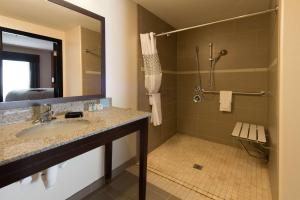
29,67
51,52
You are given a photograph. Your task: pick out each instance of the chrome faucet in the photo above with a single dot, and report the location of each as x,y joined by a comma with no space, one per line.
46,115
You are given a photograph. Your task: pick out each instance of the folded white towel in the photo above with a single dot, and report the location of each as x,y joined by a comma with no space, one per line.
156,117
26,181
225,101
49,176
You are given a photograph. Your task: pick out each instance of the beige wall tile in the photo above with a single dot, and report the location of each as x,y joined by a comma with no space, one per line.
167,50
205,120
246,41
248,47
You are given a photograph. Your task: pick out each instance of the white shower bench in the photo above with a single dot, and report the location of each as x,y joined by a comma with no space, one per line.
251,133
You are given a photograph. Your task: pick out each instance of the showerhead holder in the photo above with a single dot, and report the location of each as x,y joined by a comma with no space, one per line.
197,89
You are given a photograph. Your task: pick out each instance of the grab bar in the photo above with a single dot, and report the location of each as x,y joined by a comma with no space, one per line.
261,93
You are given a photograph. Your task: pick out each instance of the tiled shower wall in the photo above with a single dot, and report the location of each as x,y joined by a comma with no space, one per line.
167,52
244,68
251,65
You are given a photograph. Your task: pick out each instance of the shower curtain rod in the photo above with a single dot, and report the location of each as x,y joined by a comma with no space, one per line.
216,22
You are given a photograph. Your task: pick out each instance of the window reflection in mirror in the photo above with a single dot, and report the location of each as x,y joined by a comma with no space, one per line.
28,68
12,71
52,52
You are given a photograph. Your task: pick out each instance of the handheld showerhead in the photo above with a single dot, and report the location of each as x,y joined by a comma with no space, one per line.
223,52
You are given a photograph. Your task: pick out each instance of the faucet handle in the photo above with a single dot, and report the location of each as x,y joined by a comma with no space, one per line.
48,107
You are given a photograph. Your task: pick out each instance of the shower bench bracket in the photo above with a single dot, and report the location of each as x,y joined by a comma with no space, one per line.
253,134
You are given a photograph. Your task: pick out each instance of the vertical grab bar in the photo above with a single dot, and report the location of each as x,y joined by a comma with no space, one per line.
211,60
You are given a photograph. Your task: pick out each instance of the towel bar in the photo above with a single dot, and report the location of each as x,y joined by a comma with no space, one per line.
261,93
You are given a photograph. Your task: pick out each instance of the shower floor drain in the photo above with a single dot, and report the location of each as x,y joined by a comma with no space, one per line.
197,166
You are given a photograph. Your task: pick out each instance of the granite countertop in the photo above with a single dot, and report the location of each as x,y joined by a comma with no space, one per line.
13,148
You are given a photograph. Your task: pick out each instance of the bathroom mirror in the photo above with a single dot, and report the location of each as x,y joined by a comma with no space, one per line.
51,51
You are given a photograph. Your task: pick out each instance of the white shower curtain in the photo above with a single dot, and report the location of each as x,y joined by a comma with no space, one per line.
153,75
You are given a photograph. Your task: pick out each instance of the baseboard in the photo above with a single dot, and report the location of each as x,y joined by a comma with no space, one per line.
100,182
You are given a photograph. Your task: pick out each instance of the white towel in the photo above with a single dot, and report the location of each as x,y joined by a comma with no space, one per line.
49,176
225,101
156,117
153,82
26,181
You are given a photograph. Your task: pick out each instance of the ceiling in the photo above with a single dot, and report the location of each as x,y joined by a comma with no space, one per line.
184,13
47,14
24,41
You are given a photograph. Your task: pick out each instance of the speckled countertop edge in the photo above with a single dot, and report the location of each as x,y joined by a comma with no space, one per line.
99,122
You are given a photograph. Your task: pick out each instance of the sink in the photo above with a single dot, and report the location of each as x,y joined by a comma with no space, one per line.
53,128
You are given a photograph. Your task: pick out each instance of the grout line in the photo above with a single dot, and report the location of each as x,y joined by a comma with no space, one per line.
229,173
247,70
183,184
236,70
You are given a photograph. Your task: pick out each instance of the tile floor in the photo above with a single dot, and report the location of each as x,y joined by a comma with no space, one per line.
228,173
125,187
170,186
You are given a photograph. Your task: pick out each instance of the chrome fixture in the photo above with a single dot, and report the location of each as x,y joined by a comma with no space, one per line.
198,97
261,93
217,22
221,53
46,114
213,61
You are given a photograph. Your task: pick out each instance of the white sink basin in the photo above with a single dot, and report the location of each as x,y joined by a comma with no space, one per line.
53,128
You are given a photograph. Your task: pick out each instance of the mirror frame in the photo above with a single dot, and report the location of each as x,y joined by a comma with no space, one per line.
29,103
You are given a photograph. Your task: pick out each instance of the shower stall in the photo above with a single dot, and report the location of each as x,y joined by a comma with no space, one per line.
193,147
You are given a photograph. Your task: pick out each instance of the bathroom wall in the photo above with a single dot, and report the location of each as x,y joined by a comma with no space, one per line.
147,22
73,68
82,69
121,85
91,64
289,98
244,68
273,103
